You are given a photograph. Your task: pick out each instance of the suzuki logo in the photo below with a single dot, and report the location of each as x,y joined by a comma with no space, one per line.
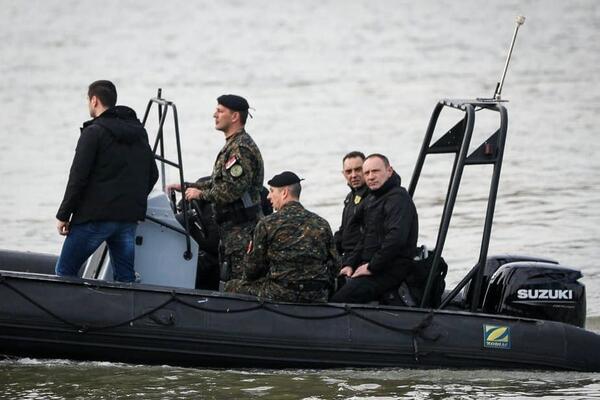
545,294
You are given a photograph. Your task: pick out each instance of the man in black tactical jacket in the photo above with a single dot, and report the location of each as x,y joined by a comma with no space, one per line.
111,175
349,233
383,257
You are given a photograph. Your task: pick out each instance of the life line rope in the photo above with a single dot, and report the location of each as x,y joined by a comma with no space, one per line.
346,310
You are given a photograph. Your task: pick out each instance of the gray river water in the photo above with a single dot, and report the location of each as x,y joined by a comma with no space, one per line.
324,77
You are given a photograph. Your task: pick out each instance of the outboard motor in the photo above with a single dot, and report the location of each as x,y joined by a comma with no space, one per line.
492,263
537,290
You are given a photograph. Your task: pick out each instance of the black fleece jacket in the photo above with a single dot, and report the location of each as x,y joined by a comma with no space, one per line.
390,222
112,172
351,231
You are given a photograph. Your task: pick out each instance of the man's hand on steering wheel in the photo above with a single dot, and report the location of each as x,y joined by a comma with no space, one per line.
192,194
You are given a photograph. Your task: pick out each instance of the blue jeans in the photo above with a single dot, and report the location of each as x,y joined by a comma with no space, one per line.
84,239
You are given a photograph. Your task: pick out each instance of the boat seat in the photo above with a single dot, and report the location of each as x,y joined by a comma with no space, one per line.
399,296
410,292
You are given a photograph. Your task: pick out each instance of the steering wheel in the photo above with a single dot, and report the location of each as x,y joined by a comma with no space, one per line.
194,214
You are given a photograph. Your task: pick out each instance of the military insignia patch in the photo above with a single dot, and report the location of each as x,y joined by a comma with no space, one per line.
357,199
232,160
236,171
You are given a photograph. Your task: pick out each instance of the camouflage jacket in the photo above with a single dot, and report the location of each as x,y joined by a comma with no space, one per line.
238,169
292,245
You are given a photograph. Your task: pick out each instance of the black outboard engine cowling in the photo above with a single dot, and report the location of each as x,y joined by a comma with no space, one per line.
537,290
492,263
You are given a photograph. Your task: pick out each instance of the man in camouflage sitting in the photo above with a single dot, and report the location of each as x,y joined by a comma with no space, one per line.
292,256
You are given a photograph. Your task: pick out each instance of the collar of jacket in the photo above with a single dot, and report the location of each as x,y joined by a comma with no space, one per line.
361,191
386,187
238,133
122,112
291,204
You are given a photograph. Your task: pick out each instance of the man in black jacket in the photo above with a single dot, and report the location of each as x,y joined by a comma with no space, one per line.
383,257
349,233
111,175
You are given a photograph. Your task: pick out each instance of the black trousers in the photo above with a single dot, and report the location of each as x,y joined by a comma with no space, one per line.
365,289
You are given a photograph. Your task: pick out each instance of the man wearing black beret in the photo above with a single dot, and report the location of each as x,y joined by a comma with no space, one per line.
292,257
235,184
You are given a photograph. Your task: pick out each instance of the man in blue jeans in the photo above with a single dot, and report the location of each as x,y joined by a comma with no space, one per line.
111,175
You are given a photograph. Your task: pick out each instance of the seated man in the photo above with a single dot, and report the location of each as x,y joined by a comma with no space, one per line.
383,257
292,256
350,233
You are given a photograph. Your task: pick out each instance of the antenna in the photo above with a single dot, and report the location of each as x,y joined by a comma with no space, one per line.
520,21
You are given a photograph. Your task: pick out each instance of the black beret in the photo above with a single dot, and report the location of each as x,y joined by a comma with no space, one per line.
285,178
233,102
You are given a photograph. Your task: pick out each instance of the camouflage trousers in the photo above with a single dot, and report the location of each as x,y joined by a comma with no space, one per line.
234,243
269,289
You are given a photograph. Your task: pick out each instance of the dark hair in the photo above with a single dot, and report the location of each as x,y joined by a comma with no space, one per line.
354,154
105,91
295,189
243,116
383,158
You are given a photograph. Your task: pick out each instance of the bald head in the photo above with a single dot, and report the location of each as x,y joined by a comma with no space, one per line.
376,170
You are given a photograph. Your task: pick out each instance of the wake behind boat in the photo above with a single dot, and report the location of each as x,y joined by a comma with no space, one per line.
509,311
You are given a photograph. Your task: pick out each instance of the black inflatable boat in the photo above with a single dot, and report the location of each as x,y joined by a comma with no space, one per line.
508,312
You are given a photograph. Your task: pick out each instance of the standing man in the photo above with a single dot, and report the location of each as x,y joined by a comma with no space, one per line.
383,258
292,256
111,175
349,233
235,184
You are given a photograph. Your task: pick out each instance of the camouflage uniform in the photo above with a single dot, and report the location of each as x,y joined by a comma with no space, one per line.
293,258
238,170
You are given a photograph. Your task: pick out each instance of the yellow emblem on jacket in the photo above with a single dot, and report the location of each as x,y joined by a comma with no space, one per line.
357,199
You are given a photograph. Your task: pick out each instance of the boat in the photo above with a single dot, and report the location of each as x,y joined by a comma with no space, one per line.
508,312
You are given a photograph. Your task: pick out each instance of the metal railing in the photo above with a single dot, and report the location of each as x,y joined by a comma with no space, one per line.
163,108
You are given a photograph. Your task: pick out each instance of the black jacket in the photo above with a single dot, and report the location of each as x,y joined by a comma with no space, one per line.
390,222
350,232
351,229
112,172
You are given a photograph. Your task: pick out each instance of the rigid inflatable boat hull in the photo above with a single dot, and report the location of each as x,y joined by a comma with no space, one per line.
46,316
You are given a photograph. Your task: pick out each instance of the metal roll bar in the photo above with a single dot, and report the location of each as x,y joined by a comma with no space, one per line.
457,140
163,108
